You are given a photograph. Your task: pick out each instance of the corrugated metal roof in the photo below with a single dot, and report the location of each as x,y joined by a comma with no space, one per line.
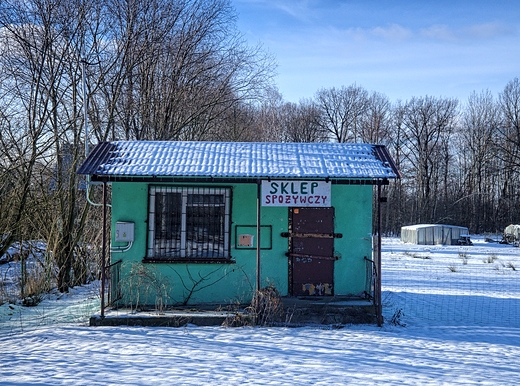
422,226
239,159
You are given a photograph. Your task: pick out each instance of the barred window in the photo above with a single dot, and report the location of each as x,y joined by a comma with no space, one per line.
188,223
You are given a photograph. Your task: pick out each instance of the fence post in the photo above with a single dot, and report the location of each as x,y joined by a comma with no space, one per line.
377,259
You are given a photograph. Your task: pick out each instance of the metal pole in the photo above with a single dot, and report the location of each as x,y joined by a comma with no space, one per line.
258,222
104,250
85,105
23,270
379,306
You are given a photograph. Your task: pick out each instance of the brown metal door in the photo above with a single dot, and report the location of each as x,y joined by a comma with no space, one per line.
311,251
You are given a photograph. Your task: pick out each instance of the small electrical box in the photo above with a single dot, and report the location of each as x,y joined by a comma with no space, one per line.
124,231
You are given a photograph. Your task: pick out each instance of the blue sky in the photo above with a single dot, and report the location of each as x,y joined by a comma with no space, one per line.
399,48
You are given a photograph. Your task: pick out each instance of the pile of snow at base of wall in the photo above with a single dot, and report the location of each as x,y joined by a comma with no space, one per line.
432,234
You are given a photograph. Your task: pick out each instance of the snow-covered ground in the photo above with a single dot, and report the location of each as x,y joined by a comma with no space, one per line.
452,317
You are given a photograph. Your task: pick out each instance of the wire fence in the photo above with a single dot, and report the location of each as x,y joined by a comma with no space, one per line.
28,299
475,285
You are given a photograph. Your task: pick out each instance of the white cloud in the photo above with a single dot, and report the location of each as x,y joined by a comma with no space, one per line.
448,49
490,30
439,32
482,31
298,10
392,32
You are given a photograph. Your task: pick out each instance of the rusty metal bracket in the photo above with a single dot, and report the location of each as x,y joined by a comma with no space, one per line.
315,235
288,254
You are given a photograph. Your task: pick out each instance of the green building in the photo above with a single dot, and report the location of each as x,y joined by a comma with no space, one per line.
210,222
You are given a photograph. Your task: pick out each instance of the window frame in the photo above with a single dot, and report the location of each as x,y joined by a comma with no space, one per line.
153,256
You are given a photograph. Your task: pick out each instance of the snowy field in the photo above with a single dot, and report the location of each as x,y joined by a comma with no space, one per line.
452,317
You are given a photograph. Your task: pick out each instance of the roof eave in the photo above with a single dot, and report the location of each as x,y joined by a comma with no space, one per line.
235,180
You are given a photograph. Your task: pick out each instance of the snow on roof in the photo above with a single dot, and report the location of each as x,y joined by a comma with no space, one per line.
239,159
421,226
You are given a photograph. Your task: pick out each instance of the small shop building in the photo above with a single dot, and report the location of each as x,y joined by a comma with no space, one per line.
211,222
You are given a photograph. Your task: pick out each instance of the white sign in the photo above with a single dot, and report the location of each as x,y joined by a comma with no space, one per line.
295,193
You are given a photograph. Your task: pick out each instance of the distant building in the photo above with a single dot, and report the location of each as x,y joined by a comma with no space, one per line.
432,234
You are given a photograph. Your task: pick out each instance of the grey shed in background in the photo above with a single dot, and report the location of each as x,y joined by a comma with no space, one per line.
432,234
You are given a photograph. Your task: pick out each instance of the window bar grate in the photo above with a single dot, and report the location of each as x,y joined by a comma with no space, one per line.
191,223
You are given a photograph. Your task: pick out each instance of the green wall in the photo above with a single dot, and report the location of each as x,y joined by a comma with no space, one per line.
353,219
163,284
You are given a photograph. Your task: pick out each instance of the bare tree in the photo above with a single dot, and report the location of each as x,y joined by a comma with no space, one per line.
509,153
374,126
238,124
479,127
154,70
300,122
398,211
176,71
428,126
25,114
510,130
341,111
41,57
268,125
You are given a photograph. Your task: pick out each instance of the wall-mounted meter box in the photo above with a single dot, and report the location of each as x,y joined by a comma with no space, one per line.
124,231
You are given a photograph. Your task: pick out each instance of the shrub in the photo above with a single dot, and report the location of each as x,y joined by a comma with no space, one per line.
146,288
396,318
491,259
267,306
